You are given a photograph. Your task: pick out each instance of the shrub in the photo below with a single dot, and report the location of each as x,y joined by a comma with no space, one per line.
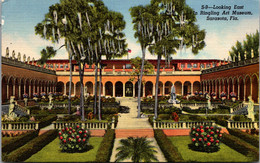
170,152
18,141
205,138
240,118
163,116
109,110
47,120
253,140
68,118
241,146
23,153
74,139
105,149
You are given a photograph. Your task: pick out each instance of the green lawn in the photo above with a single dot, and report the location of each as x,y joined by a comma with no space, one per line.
225,154
52,153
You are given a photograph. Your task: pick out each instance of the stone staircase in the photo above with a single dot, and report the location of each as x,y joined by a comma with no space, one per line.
124,133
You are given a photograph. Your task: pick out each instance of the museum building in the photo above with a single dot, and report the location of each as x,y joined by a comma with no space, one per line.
187,75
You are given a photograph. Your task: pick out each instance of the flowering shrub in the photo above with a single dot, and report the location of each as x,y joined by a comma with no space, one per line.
200,93
175,116
35,95
50,93
233,94
206,138
196,93
43,94
25,95
74,139
213,94
223,94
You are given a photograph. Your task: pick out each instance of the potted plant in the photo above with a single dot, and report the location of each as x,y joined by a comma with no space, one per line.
223,96
233,96
43,94
196,93
25,98
35,96
200,93
213,94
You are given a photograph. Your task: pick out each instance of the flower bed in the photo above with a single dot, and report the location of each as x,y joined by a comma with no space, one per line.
170,152
32,147
225,154
106,147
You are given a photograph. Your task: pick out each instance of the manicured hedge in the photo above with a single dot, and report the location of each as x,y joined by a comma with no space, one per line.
241,146
245,136
170,152
18,141
47,120
106,147
23,153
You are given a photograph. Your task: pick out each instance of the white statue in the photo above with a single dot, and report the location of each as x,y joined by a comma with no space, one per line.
250,109
209,102
12,106
173,100
50,102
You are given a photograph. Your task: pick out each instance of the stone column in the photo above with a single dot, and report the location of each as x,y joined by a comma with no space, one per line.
114,90
191,89
163,93
244,91
29,93
19,90
143,90
33,88
104,90
123,89
74,89
238,91
228,89
14,90
133,90
251,88
65,89
7,91
182,89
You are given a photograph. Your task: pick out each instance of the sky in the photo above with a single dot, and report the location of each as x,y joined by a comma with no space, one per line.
20,17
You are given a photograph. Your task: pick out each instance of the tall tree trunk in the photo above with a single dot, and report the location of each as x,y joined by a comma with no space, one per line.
69,100
95,91
81,72
157,85
99,94
140,82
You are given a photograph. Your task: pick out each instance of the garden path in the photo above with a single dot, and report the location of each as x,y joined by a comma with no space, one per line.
130,125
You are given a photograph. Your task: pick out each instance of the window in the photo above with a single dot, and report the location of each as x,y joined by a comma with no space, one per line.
208,65
90,66
128,66
57,66
47,66
61,66
202,65
182,65
66,66
214,64
195,65
189,65
51,65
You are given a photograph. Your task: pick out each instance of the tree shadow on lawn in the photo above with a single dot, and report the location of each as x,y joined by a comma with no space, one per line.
88,148
197,149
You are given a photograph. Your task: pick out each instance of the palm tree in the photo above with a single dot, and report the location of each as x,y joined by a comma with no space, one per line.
137,149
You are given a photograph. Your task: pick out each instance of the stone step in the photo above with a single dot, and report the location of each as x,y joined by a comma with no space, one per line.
124,133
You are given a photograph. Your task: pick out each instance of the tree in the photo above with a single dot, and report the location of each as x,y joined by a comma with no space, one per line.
85,32
138,149
141,18
250,45
137,64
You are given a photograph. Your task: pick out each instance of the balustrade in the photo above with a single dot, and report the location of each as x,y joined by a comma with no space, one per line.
178,125
19,126
242,125
86,125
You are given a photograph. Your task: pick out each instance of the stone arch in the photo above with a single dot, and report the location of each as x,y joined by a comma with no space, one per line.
217,87
129,89
167,88
60,87
196,86
255,88
119,89
235,83
77,89
241,88
11,87
178,87
4,89
230,86
225,86
136,89
148,88
187,87
72,88
160,88
89,86
248,87
109,88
